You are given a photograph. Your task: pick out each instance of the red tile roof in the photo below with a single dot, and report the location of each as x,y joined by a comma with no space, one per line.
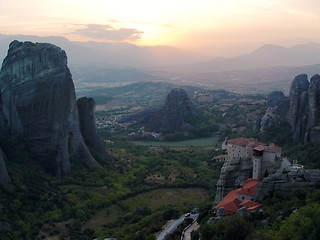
245,142
273,148
250,204
249,188
255,144
231,203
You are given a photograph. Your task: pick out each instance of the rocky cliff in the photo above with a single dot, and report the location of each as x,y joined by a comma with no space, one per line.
233,174
287,182
275,99
86,108
171,116
303,115
276,102
4,177
177,106
39,105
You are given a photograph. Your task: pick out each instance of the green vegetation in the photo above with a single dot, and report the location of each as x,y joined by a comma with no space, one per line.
306,154
149,183
199,142
283,217
131,197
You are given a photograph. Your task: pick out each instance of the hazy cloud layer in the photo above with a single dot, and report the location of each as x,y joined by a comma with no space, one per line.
99,31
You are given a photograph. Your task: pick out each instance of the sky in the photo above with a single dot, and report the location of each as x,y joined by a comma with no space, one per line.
225,27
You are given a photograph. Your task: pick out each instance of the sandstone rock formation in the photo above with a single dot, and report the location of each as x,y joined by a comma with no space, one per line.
39,104
298,112
313,125
86,108
303,115
233,174
287,182
273,116
4,177
170,117
269,119
275,99
176,108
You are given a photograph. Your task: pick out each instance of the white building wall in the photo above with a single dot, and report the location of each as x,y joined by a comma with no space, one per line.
257,168
269,157
236,152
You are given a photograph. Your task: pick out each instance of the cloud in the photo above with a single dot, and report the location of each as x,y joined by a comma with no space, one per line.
107,32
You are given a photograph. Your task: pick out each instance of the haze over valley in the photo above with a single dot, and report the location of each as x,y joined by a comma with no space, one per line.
160,120
266,69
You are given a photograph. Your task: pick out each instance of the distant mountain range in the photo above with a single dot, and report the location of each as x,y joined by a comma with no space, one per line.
270,67
264,57
164,57
110,54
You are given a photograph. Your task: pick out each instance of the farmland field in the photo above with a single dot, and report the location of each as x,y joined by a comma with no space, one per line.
199,142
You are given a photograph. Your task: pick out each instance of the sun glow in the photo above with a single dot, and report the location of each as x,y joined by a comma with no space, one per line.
182,23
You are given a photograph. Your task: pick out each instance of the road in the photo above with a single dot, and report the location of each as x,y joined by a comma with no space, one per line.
173,226
187,234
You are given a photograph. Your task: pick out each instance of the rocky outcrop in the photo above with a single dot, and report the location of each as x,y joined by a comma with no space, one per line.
177,106
170,117
233,174
275,99
303,115
269,119
86,108
4,177
287,182
313,125
39,105
298,112
273,116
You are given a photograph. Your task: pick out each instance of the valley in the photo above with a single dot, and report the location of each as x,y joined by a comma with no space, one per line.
125,162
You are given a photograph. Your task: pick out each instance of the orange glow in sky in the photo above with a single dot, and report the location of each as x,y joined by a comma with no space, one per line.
201,24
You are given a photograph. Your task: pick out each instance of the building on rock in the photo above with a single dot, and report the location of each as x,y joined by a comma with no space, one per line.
241,197
247,158
265,159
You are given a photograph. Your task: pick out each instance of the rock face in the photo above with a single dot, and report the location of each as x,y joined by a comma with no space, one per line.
39,105
86,108
275,99
272,117
171,116
287,182
269,119
303,115
176,108
233,174
4,177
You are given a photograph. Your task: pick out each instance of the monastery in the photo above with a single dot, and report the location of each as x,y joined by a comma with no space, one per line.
265,159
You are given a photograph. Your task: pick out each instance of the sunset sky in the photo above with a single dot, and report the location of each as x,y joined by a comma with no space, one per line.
229,26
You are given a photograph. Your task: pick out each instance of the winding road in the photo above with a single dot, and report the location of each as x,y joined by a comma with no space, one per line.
173,226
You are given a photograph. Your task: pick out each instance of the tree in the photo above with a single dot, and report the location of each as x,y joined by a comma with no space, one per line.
303,224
